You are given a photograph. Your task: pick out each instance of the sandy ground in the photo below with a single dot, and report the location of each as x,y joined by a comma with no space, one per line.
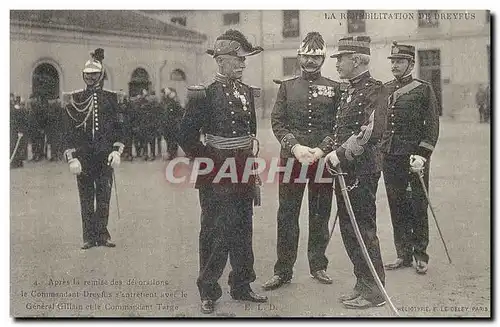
153,269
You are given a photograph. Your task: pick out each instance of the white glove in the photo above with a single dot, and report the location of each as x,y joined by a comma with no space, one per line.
303,154
332,159
75,167
317,153
417,163
114,159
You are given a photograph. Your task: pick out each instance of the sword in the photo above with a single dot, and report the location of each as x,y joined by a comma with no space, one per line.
364,250
420,177
19,136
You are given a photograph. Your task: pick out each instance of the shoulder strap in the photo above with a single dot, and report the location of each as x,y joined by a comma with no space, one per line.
405,89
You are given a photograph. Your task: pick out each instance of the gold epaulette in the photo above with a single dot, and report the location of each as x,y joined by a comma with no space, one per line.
280,81
196,91
66,96
422,81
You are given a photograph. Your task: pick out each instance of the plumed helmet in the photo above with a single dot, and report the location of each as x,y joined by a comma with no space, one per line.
313,45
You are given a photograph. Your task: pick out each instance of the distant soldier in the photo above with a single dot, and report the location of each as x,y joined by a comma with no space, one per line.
225,112
151,124
18,122
302,120
54,130
411,134
38,119
127,110
143,124
93,144
482,102
173,112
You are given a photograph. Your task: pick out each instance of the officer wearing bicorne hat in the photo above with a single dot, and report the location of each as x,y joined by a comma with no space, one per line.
302,121
224,111
93,143
408,143
360,123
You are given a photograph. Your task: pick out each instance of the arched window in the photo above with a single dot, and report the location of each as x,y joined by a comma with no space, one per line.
138,82
45,81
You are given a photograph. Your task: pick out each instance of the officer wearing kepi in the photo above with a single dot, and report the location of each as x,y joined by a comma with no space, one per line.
93,144
225,112
408,142
302,121
360,124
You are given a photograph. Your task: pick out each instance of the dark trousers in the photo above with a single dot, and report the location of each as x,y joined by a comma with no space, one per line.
362,199
290,200
95,184
226,229
172,145
38,145
128,142
408,207
158,138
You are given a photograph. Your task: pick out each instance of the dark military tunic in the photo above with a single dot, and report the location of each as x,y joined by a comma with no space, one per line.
224,109
304,113
93,129
412,128
359,128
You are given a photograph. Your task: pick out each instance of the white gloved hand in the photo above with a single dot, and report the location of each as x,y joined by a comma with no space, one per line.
114,159
417,163
317,153
332,159
303,154
75,167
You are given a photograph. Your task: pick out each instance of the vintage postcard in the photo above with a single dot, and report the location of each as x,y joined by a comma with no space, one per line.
258,163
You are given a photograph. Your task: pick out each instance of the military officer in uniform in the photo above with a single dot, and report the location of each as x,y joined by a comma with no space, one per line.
172,113
225,112
302,121
93,148
409,140
360,123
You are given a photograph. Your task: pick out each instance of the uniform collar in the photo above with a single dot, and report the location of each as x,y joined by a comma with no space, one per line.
94,88
357,79
224,79
405,79
310,76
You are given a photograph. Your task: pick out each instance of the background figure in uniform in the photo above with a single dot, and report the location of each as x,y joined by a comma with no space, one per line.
54,130
360,124
482,102
411,134
18,122
128,137
172,114
144,118
37,124
93,147
302,121
225,111
152,124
